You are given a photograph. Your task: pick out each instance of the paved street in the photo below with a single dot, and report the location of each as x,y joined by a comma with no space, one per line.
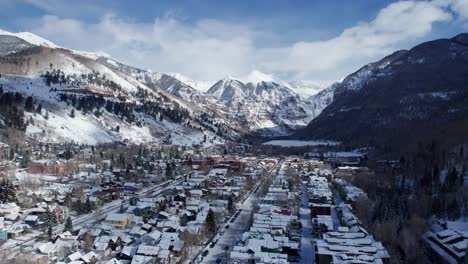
233,234
307,248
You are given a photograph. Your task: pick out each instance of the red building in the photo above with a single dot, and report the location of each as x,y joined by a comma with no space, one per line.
47,167
235,165
320,209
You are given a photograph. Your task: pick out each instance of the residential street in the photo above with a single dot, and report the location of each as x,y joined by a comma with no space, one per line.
233,234
307,248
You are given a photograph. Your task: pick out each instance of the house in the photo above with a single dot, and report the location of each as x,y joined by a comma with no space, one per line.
90,257
74,257
132,187
233,164
9,209
53,167
196,194
152,238
128,252
320,209
106,243
3,234
145,250
32,220
87,167
449,245
345,246
119,221
138,259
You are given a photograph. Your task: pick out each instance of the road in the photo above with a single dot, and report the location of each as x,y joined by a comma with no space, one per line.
334,214
307,246
154,191
228,238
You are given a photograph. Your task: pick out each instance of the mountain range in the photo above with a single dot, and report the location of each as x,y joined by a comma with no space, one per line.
405,98
273,109
410,94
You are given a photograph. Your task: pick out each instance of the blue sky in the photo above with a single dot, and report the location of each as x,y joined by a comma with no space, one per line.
208,39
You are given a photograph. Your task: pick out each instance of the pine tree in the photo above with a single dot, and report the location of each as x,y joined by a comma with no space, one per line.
68,225
29,105
88,206
48,216
231,207
53,219
39,109
49,232
7,192
79,206
168,170
210,223
68,200
12,154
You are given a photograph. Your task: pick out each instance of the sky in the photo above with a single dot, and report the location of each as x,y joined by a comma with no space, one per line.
209,39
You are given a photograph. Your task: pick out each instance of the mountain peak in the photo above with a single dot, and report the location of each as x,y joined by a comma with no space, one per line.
31,38
462,38
256,76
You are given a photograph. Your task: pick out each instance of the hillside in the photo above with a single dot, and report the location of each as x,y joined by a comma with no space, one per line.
411,95
107,104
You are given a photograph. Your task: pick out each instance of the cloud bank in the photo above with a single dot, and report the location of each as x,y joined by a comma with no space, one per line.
211,49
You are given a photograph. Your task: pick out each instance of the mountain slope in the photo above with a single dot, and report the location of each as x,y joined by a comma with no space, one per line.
87,101
400,99
12,44
258,105
30,38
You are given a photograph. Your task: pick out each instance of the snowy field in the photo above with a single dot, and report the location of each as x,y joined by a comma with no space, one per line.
301,143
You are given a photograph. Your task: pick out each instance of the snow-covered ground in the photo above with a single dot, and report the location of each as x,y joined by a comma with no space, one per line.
301,143
89,129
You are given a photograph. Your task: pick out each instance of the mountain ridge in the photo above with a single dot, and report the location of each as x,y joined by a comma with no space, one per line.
408,95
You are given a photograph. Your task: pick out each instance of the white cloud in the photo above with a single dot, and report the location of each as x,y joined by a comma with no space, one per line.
460,7
211,49
394,26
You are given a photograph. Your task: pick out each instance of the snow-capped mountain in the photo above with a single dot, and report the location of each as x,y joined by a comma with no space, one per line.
266,107
408,96
306,88
12,44
361,77
200,85
253,104
31,38
83,99
260,103
256,76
